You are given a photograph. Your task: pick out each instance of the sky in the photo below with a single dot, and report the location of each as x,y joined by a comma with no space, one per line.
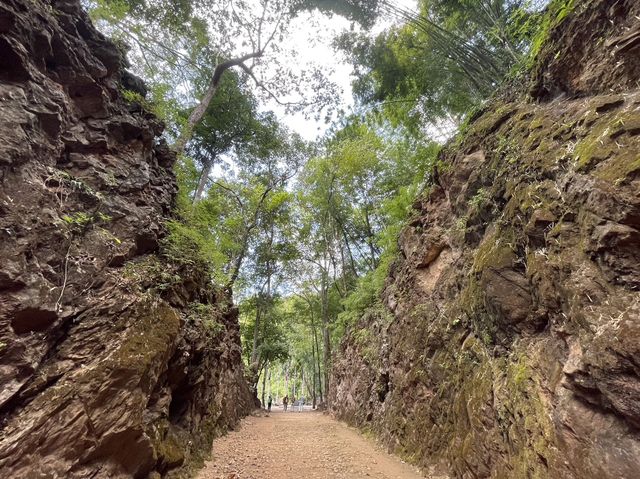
311,35
321,52
315,47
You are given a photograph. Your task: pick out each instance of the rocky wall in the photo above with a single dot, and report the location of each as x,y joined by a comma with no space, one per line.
510,344
114,362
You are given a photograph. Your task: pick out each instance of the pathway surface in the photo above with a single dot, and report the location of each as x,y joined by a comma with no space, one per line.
300,445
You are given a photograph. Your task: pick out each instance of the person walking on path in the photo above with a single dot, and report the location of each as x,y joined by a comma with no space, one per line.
300,404
269,403
285,402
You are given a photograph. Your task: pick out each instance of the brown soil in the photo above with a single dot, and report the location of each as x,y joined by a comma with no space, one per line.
308,445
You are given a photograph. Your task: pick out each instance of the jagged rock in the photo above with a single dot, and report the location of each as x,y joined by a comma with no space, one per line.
133,83
100,376
513,347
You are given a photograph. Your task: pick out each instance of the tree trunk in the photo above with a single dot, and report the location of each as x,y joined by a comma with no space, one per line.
313,364
202,182
256,332
325,330
264,382
256,329
198,112
313,403
237,264
315,356
327,360
235,271
370,240
286,380
315,337
264,301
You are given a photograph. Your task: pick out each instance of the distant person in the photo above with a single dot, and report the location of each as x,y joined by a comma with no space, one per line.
301,404
285,402
293,403
269,403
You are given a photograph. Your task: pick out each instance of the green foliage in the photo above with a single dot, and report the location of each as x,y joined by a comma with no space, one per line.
231,124
367,291
110,237
410,84
109,10
207,315
160,104
133,97
224,231
68,183
480,198
365,295
82,220
557,11
151,276
362,11
273,345
165,107
460,225
359,196
444,60
189,246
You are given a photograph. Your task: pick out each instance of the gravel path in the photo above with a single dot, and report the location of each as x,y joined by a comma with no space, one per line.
306,445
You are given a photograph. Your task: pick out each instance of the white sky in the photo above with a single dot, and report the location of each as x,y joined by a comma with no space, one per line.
315,46
319,51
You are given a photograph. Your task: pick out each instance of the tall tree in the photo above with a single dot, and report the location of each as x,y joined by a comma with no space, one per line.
187,48
230,123
442,59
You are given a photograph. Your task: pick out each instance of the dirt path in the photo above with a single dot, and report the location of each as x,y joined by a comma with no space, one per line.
307,445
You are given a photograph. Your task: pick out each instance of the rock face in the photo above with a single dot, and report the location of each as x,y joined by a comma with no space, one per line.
511,344
114,362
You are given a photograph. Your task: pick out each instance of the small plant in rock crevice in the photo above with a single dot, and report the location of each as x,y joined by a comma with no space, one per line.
64,184
207,315
479,199
150,275
82,220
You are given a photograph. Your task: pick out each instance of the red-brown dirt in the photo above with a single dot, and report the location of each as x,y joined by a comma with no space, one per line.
295,445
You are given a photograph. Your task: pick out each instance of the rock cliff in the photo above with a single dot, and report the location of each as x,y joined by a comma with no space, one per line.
114,361
509,346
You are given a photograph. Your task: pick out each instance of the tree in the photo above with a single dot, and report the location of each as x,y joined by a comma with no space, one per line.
259,30
199,42
227,221
442,60
229,124
273,347
363,12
